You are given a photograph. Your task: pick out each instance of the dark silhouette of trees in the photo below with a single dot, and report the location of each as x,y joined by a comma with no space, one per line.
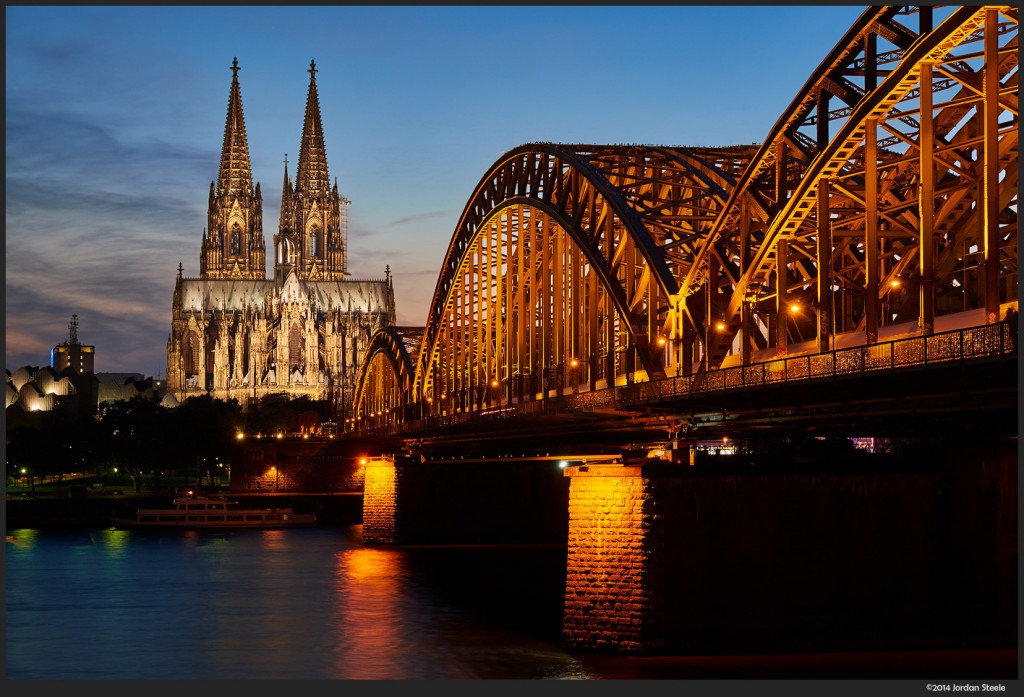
139,437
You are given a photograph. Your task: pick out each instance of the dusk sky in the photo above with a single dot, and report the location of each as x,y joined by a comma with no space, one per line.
115,121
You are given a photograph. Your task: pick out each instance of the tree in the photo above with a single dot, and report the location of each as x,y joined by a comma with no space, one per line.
138,436
208,431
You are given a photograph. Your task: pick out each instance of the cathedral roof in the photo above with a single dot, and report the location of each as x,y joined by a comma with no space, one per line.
312,172
235,178
204,295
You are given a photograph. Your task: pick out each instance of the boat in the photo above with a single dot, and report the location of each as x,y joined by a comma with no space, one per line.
193,510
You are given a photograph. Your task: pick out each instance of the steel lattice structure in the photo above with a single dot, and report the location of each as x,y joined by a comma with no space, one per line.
885,193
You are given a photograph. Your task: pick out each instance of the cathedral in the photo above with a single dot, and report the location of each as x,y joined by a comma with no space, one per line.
237,334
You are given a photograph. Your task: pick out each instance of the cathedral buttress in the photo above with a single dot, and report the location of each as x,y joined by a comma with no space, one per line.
312,239
233,246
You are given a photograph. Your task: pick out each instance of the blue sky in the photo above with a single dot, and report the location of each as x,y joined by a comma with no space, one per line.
115,120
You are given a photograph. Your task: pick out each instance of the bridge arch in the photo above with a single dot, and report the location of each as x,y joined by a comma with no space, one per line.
576,267
922,147
385,380
562,273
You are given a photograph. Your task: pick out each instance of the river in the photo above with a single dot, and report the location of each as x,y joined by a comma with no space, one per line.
315,603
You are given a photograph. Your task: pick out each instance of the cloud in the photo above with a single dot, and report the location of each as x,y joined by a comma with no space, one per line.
420,217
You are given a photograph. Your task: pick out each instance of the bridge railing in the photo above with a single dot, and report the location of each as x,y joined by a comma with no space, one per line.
909,352
906,353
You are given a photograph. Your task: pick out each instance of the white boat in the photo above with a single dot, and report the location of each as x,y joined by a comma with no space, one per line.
196,511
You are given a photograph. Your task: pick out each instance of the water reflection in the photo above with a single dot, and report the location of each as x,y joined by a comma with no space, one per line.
367,625
297,604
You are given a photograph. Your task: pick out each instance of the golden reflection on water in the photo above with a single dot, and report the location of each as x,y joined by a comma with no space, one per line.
23,538
369,614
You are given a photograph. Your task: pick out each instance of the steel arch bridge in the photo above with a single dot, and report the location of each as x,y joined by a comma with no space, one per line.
885,195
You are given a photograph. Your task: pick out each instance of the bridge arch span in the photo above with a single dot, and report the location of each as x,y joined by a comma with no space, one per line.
899,203
563,271
386,376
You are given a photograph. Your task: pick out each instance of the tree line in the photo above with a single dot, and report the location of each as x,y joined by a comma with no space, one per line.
141,438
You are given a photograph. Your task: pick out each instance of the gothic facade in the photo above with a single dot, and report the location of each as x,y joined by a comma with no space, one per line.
237,334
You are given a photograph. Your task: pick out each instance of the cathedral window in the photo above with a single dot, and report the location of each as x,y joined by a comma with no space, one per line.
236,240
314,235
295,346
191,353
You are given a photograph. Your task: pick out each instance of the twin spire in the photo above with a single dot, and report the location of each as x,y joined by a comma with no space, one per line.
312,239
235,178
311,177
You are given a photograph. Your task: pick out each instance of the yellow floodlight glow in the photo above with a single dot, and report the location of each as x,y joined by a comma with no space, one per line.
661,341
895,283
494,383
720,326
794,308
239,436
574,362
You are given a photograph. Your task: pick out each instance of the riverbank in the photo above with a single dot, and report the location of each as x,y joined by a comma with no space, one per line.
95,511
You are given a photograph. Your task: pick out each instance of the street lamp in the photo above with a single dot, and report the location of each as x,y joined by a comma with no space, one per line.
495,384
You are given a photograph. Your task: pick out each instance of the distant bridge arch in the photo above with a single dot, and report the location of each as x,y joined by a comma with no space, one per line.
385,380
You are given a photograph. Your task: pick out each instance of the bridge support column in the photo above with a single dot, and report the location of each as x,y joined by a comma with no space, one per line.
380,501
613,586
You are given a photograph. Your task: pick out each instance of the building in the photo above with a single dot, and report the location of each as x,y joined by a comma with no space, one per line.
237,334
72,353
70,384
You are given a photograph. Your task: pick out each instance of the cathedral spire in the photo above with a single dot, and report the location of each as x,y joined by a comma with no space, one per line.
312,171
235,177
234,246
286,223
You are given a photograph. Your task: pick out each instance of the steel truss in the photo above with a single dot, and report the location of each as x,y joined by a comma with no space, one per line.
885,193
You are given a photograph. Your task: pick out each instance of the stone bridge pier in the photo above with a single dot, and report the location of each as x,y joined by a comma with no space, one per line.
665,557
495,501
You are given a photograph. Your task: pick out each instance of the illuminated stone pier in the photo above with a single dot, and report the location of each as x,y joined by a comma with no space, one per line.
380,501
665,557
613,592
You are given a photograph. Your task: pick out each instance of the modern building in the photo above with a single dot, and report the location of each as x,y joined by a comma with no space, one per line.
69,382
237,333
72,353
